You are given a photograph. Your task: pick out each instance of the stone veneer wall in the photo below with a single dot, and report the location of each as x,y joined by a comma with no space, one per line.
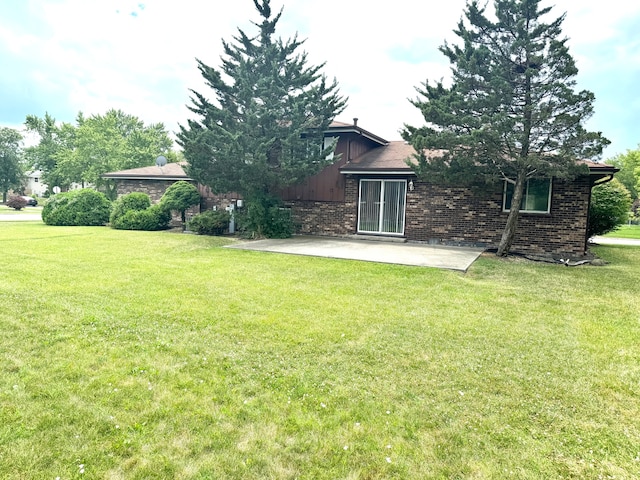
459,216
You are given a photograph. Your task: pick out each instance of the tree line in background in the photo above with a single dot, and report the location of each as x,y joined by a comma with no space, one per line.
616,202
79,153
510,114
629,174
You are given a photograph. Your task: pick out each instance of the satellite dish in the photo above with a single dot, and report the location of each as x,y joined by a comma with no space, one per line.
56,190
161,161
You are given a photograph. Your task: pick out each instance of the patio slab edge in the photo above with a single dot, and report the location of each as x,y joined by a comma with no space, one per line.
435,256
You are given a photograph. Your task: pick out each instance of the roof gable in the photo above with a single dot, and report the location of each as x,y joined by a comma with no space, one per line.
337,128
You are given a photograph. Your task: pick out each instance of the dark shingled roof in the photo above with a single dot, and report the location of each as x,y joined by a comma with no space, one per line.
392,158
389,158
596,168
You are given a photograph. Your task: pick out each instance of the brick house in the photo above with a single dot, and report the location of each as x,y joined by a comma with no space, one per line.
370,190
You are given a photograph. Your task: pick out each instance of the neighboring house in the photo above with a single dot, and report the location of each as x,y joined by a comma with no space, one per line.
370,190
36,187
34,184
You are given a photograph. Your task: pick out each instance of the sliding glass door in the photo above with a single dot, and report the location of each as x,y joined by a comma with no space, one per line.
382,206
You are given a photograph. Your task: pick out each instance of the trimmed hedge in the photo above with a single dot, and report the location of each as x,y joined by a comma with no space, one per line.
155,217
265,217
180,196
131,201
84,207
211,222
134,212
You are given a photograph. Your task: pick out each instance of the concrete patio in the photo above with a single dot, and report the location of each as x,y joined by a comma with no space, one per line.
421,255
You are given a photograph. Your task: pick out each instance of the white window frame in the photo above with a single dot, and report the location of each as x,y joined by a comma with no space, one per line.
524,198
326,141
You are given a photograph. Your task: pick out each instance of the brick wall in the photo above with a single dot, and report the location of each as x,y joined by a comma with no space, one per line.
465,217
154,188
327,218
459,216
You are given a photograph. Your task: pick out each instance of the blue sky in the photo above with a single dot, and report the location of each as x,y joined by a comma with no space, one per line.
66,56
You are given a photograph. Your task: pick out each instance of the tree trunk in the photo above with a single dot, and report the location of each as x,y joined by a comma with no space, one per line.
509,232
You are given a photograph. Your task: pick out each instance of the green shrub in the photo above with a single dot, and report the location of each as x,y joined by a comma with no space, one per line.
211,222
84,207
265,217
16,202
134,212
180,196
610,204
130,201
155,217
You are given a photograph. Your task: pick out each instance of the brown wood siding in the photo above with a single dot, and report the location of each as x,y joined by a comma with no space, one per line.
329,184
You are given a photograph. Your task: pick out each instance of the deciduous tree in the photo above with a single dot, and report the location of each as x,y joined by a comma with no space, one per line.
511,112
264,128
52,138
11,174
95,145
629,174
610,203
110,142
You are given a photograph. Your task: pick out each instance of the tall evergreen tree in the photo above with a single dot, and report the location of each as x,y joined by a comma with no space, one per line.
511,112
264,130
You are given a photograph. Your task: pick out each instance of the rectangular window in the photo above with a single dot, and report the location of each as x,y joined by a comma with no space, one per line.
535,199
327,142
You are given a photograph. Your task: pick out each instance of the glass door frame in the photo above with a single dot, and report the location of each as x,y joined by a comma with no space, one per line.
400,204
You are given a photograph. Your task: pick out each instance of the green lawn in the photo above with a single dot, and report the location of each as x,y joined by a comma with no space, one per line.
36,211
626,231
137,355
